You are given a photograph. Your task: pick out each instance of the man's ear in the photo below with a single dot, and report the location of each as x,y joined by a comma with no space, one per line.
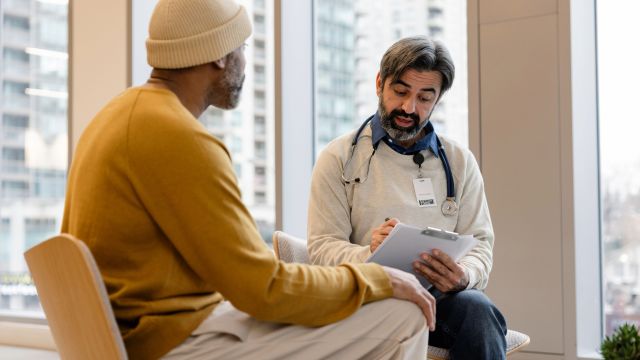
378,84
220,63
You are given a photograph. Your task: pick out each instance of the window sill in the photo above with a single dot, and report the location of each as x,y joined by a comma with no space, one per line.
35,336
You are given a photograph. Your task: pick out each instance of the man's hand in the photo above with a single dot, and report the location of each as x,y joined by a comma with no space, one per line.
407,287
381,232
441,271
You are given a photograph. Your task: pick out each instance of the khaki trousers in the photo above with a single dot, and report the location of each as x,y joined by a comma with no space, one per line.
388,329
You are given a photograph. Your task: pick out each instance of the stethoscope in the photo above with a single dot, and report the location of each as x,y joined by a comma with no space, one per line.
449,206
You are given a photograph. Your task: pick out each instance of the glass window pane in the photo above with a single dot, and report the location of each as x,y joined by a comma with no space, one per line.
352,36
618,76
248,131
33,139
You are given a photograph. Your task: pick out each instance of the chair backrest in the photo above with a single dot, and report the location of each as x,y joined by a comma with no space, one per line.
74,300
289,248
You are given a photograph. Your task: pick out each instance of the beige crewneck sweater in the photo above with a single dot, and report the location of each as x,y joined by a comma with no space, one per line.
342,217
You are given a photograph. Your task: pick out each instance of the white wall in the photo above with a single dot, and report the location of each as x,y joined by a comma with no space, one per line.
99,57
521,128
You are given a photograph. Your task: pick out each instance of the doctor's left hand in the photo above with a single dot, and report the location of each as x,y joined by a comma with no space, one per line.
441,271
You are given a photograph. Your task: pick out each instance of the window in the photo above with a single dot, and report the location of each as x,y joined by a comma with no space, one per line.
14,121
259,74
259,23
33,160
435,12
261,150
259,126
259,49
248,130
260,197
351,37
619,162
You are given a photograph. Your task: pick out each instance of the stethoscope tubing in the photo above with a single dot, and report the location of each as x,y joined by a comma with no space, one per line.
443,158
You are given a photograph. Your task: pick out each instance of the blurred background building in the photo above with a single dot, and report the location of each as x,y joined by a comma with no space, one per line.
33,136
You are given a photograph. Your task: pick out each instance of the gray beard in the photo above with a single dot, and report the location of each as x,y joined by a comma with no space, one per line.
396,133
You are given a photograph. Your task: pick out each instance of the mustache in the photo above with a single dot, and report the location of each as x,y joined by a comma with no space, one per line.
401,113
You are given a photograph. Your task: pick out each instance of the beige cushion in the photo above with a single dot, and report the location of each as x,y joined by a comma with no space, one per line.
515,342
289,248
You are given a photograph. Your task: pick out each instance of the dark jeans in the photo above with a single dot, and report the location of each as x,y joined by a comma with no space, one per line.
469,325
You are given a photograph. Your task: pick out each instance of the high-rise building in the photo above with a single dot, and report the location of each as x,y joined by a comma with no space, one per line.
249,130
33,136
352,37
334,69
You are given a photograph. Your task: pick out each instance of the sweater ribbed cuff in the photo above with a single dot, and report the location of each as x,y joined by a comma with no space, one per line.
376,279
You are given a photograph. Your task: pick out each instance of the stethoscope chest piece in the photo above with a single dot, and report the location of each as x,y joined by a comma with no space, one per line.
449,207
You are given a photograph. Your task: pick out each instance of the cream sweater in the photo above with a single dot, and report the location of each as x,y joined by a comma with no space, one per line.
342,217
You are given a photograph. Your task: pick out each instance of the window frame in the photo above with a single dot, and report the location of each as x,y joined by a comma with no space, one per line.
585,185
294,139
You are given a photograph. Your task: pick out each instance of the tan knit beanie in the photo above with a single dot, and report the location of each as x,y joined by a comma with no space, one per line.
185,33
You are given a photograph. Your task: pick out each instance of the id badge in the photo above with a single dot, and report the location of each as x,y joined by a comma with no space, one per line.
424,192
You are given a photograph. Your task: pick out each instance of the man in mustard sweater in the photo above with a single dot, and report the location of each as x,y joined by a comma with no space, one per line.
154,196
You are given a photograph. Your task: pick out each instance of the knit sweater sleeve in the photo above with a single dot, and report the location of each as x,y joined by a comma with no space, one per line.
184,178
474,219
329,215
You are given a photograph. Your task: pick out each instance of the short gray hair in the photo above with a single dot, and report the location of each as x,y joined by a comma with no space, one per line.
417,53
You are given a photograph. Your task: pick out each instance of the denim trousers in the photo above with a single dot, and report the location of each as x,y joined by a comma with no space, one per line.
469,325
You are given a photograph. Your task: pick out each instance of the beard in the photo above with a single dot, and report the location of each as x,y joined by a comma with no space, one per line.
396,132
226,93
231,87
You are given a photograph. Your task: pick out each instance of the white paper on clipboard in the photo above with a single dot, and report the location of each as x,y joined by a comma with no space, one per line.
405,243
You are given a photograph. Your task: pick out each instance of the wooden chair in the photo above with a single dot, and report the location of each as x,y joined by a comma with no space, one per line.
294,250
74,300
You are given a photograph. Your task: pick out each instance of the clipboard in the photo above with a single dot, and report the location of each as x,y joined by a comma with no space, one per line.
404,244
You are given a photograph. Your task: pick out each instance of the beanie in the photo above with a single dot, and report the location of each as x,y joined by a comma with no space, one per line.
185,33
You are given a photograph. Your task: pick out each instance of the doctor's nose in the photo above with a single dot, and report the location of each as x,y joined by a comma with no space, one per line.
409,106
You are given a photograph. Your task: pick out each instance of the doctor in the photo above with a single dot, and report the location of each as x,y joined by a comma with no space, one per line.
393,168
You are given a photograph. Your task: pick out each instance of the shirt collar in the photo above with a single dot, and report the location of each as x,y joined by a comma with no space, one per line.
427,142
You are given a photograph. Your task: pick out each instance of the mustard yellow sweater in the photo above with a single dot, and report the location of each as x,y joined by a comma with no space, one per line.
154,196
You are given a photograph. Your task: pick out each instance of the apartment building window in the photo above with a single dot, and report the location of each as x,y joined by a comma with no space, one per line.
5,244
618,74
33,144
260,100
260,197
435,13
260,49
15,121
351,37
261,150
436,31
259,125
259,74
259,23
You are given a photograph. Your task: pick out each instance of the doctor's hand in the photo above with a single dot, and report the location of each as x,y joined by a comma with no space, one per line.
407,287
381,232
441,271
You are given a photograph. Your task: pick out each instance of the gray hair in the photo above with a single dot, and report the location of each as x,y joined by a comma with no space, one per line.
417,53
